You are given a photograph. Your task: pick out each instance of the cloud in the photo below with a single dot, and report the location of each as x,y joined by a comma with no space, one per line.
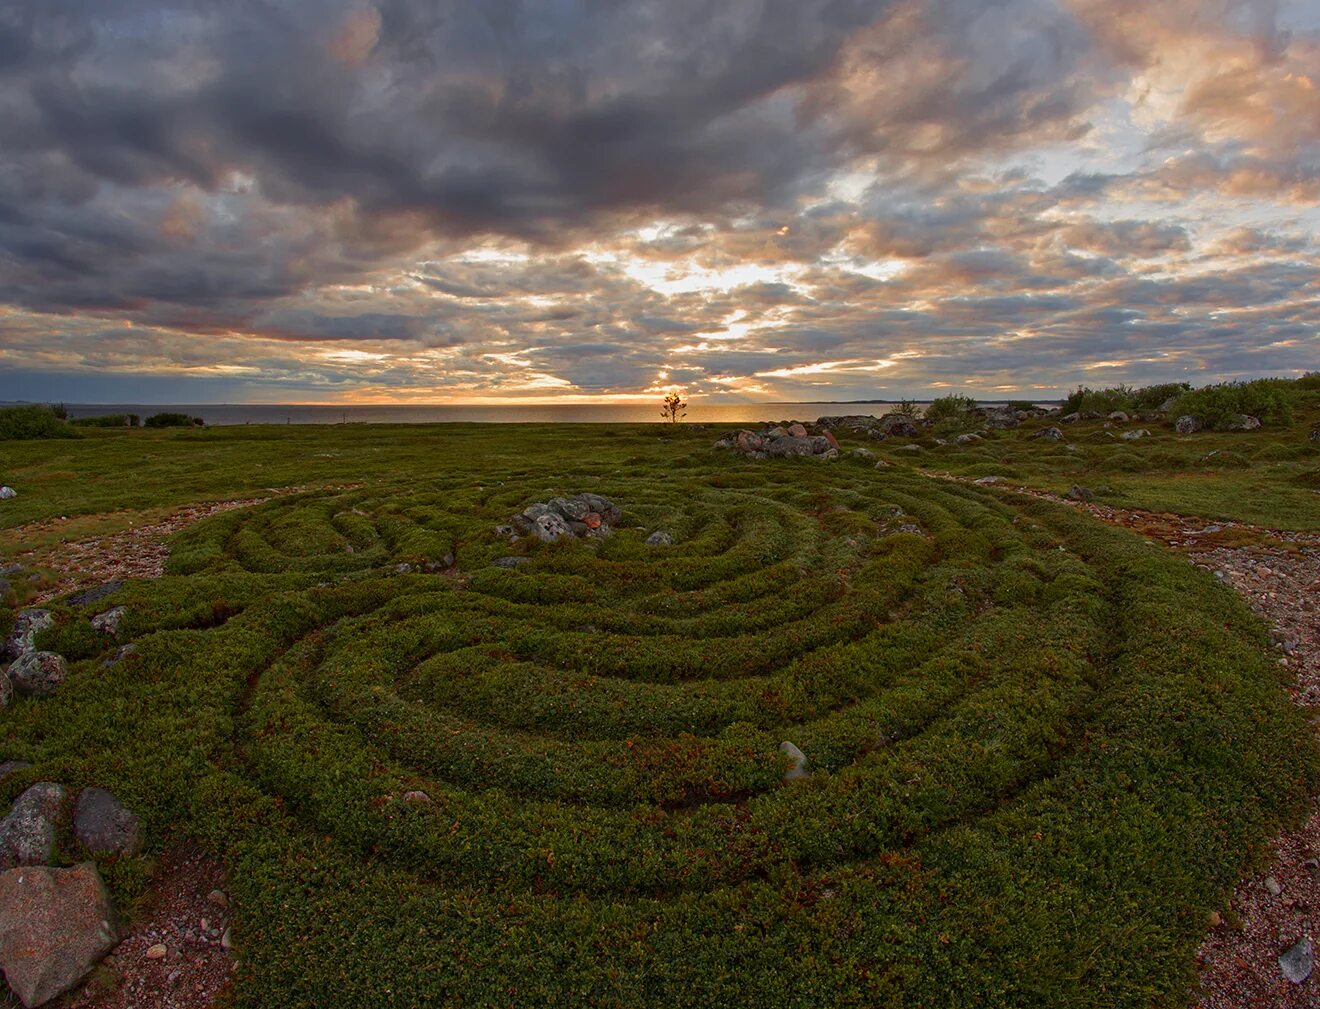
752,197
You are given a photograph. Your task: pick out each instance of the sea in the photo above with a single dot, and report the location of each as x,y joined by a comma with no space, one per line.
567,413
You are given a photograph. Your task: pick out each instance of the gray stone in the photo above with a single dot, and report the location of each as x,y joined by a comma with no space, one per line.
882,464
509,563
534,511
1119,417
95,594
864,454
55,926
550,527
909,448
1052,433
987,481
968,439
798,768
27,833
899,425
659,538
109,621
8,767
1000,420
1272,886
1079,493
1187,424
1241,422
104,826
120,654
782,448
1298,960
38,673
1140,432
1070,418
506,532
417,798
574,508
27,625
7,492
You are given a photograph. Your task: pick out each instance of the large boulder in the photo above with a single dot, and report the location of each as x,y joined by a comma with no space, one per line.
782,448
1187,424
104,825
27,834
55,926
1052,433
38,673
22,637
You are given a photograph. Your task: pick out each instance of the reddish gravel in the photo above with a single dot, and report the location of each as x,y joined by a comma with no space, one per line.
138,552
188,916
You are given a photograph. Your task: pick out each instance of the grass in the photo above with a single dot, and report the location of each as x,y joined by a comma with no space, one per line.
1042,750
28,422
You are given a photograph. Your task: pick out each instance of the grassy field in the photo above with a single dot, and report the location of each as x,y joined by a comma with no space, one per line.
1042,750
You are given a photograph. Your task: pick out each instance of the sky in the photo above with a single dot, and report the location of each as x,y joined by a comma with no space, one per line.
421,201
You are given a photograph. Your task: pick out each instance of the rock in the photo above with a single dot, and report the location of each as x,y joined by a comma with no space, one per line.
109,621
864,454
95,594
909,448
1187,424
899,425
968,439
797,431
659,538
120,654
882,464
1315,433
570,508
593,520
27,625
798,769
550,527
27,834
158,952
749,441
1070,418
104,826
1078,493
534,511
509,563
1133,435
417,798
987,481
55,926
225,939
1272,886
1298,961
9,767
783,448
1052,433
1168,404
7,492
1000,420
506,532
218,898
1241,422
1215,919
1119,417
38,673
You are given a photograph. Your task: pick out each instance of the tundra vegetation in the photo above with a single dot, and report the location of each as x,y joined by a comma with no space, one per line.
1038,750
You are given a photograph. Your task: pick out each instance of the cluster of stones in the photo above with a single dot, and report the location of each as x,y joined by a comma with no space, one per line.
781,442
37,673
56,924
590,516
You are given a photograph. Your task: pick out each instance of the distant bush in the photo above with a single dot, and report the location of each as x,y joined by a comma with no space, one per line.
1021,404
168,419
1152,397
106,420
1268,399
950,415
1309,381
907,408
1102,401
18,422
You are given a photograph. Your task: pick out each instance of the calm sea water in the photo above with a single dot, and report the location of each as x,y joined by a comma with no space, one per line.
707,413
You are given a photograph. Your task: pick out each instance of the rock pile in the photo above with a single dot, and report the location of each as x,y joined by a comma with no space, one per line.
56,923
781,443
589,516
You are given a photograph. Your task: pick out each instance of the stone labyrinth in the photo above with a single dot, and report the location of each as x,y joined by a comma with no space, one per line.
1020,764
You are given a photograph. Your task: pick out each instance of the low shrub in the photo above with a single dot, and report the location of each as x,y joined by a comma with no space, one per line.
18,422
1270,400
952,414
168,419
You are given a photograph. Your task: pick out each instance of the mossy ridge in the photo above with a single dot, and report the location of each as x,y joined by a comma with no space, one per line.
1035,769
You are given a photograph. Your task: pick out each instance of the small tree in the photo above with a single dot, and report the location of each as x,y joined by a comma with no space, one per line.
675,407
